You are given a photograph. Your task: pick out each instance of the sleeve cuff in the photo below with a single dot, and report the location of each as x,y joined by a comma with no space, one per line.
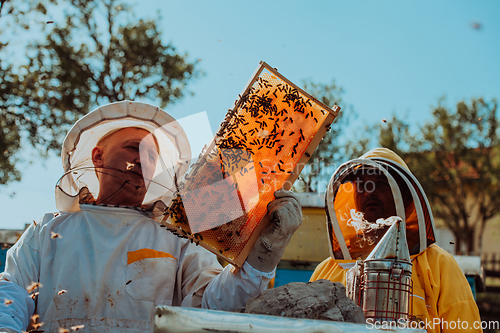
253,272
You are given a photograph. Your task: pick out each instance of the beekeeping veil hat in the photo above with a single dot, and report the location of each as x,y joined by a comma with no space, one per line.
79,183
349,234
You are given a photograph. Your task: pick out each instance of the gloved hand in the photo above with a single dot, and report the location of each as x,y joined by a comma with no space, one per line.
285,214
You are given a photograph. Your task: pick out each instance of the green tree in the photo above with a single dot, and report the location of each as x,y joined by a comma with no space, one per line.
331,151
97,53
12,19
9,133
456,158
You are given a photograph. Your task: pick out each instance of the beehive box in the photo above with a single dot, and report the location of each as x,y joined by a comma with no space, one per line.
261,146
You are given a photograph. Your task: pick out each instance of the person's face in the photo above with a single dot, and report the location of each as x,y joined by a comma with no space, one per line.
374,197
126,162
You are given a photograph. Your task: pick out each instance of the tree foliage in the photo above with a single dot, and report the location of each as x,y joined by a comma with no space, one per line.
455,156
96,53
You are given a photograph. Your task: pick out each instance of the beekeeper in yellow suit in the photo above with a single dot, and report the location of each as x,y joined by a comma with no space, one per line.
378,185
102,263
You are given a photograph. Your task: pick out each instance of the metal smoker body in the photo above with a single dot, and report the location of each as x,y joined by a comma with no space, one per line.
381,284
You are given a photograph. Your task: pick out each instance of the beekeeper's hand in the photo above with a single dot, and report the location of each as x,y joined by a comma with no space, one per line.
285,215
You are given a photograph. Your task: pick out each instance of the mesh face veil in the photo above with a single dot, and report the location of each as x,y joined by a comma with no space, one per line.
158,140
364,192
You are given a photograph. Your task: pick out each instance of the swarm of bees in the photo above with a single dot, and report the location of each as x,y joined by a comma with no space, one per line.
261,145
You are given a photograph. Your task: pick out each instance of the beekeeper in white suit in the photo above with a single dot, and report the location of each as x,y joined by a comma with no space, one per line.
102,264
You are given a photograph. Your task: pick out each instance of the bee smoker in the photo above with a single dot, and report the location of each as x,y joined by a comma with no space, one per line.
381,284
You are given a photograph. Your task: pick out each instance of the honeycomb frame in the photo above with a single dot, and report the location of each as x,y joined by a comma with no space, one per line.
271,132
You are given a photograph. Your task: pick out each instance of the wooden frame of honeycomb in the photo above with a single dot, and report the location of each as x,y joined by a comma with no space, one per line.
261,146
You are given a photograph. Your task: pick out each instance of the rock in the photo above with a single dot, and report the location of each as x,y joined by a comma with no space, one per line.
320,299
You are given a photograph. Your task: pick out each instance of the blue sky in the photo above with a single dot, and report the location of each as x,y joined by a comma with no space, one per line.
391,57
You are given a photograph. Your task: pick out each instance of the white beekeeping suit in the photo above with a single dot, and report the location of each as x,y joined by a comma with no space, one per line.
104,268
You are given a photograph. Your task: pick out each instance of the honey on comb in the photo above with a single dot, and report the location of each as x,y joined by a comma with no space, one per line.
256,151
